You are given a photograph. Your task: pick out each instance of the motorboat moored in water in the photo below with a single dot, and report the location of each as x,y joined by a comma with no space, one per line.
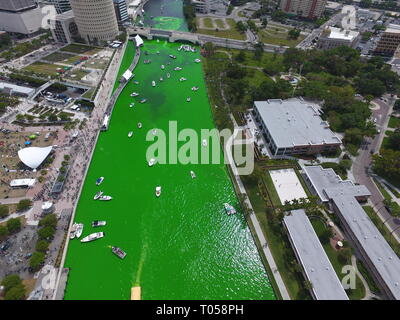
79,230
118,252
131,105
229,209
99,181
158,191
93,236
161,79
105,198
188,99
195,88
177,68
73,231
162,67
139,125
136,82
172,56
182,79
153,83
98,223
143,100
130,134
192,174
197,60
152,162
134,94
168,75
98,195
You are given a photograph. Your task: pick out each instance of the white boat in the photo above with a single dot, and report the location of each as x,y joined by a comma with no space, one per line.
152,162
118,252
229,209
105,198
172,56
161,79
98,223
168,75
197,60
136,82
99,181
162,67
195,88
130,134
192,174
139,125
131,105
134,94
158,191
188,99
98,195
177,68
93,236
182,79
204,143
79,230
143,100
72,234
153,83
154,132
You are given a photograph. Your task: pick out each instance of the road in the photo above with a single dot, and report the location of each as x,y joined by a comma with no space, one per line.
361,166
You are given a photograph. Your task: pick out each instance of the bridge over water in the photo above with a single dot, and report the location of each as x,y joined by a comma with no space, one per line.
197,38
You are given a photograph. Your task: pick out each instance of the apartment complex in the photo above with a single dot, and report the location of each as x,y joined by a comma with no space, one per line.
96,19
310,9
63,27
311,255
389,41
293,126
20,16
332,37
343,198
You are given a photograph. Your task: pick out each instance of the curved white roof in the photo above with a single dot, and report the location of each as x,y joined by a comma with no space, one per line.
34,156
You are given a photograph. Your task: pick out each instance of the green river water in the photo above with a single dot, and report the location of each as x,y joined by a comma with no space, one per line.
179,246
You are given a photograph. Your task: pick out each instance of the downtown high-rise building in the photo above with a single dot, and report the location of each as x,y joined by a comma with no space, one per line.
310,9
96,20
17,5
60,5
121,11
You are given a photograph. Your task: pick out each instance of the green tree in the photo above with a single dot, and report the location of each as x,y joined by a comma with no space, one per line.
42,246
36,260
13,225
11,281
3,211
16,293
46,233
49,221
294,34
3,231
344,255
24,204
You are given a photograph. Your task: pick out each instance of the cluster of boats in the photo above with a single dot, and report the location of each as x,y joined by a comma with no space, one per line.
229,209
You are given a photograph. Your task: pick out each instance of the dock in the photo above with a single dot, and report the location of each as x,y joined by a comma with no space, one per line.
136,293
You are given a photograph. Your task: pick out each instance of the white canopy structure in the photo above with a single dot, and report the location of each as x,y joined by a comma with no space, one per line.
34,156
20,183
127,75
139,41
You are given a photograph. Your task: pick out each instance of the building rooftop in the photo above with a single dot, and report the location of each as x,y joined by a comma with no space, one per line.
327,183
16,89
378,250
295,122
341,34
64,16
393,28
316,265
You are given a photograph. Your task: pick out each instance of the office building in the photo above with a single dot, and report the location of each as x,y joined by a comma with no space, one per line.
333,37
293,127
63,27
388,41
121,11
310,9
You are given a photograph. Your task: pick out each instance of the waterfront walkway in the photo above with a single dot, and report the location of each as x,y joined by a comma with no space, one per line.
260,235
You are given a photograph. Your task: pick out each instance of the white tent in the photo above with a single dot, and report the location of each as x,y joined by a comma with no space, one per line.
139,41
127,75
20,183
34,156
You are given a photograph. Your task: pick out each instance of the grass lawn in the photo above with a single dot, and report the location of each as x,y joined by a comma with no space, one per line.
220,23
278,36
77,74
231,33
81,49
57,57
279,246
394,122
208,23
97,64
385,194
43,67
359,292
